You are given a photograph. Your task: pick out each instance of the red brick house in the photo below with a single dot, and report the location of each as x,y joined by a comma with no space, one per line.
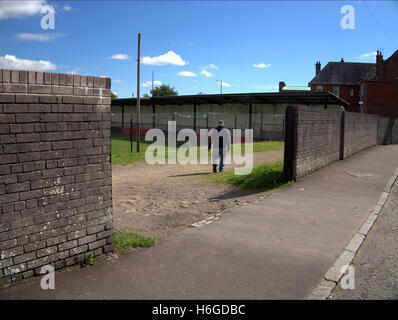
368,87
379,90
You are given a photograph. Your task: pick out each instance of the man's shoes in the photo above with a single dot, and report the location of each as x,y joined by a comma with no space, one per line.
214,168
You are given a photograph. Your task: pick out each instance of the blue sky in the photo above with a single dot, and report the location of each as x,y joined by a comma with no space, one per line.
250,46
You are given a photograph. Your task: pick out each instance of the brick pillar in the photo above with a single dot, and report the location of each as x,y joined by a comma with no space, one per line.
290,154
55,171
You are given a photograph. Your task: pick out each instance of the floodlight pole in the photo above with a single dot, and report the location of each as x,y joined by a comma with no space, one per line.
138,95
220,81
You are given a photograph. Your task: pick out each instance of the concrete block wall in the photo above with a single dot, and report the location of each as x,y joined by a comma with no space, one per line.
55,171
360,132
315,138
387,130
318,139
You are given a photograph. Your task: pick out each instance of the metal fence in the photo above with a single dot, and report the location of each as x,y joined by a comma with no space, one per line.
266,126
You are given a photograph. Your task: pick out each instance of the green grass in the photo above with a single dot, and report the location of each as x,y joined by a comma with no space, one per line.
124,240
264,146
265,177
121,146
268,145
88,261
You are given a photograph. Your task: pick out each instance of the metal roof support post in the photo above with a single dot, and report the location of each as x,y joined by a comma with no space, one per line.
153,114
194,114
122,117
131,130
250,113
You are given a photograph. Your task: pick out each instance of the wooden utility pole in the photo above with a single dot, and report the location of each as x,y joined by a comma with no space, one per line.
138,95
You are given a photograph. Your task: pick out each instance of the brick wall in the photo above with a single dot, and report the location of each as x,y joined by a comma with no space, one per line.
55,171
318,139
380,97
387,130
315,138
360,132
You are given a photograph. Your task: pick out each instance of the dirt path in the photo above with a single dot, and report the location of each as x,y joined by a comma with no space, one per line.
159,200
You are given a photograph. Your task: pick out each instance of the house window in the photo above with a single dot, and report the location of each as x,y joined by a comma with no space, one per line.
351,92
336,90
319,88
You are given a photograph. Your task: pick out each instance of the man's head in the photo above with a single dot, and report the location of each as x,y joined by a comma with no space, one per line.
221,123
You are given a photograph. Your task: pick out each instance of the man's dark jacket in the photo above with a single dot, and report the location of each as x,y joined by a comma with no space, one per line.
220,139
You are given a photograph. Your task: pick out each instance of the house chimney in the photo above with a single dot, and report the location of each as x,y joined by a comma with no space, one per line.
281,85
317,67
379,65
342,60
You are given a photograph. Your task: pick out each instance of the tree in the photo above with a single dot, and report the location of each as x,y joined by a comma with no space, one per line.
200,93
113,96
146,95
164,90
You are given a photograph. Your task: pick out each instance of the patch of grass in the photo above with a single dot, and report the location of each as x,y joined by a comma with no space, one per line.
268,145
264,146
90,259
121,147
265,177
124,240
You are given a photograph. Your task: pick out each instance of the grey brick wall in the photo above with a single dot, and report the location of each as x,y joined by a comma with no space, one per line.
387,130
315,138
55,170
318,139
360,132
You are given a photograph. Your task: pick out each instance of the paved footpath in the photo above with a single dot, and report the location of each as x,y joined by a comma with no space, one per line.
277,248
376,263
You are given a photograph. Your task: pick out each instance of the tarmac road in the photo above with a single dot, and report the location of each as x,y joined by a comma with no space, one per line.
376,263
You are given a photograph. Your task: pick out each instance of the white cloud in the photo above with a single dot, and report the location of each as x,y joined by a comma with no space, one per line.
12,62
207,74
366,55
117,81
74,71
168,58
187,74
149,83
262,65
40,37
225,84
19,9
67,7
120,56
210,66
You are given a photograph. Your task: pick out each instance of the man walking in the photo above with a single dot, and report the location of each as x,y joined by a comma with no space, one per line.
220,146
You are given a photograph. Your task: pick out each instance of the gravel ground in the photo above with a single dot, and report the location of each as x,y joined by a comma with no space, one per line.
376,263
159,200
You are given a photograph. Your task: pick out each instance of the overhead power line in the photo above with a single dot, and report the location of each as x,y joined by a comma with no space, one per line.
380,25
